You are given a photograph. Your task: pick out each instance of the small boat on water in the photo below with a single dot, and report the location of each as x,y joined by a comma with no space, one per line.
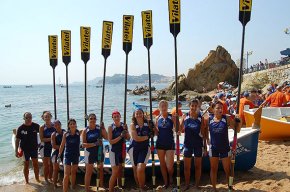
28,86
275,123
8,106
99,86
245,158
5,86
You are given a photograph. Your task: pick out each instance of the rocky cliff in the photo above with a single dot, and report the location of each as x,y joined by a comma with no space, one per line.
216,67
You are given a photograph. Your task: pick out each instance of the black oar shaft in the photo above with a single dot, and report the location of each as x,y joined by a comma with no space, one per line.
151,118
232,170
67,95
85,116
125,96
241,70
103,90
54,94
177,118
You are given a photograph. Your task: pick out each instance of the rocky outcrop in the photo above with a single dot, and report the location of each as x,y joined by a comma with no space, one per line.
216,67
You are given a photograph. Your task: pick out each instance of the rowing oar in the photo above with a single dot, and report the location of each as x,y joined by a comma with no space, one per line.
66,58
148,41
174,24
85,54
128,21
106,51
245,8
53,55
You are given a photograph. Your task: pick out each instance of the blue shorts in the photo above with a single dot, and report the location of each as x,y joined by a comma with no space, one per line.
93,157
115,158
29,154
165,147
188,151
54,156
219,153
71,159
139,156
47,151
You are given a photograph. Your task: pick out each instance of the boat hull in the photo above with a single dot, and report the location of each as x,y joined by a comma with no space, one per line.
246,155
272,128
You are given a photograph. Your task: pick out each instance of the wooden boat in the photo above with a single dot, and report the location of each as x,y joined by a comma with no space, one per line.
245,158
274,123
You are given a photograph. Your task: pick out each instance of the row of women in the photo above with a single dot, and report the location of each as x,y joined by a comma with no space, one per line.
61,145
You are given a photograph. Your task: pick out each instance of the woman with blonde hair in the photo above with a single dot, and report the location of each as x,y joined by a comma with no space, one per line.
165,145
45,132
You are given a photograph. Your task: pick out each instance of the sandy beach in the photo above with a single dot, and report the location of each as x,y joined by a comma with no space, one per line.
271,173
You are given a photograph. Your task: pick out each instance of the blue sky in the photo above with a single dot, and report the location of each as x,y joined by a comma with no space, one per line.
205,24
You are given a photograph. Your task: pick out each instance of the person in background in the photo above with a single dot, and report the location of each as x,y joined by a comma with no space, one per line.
277,99
245,101
91,142
165,145
233,106
173,111
45,132
139,150
219,148
254,96
117,134
26,135
228,99
286,90
70,144
193,129
56,139
222,99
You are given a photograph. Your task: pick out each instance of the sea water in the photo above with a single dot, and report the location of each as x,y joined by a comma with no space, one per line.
40,98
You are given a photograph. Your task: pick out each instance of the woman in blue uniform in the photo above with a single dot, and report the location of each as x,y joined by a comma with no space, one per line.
71,145
165,145
117,132
139,150
193,127
45,132
219,147
91,142
56,139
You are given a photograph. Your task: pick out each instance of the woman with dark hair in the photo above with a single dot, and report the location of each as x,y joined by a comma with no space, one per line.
117,133
139,150
71,145
45,132
165,145
56,139
91,142
192,125
219,147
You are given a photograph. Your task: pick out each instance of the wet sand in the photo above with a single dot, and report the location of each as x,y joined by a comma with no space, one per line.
271,173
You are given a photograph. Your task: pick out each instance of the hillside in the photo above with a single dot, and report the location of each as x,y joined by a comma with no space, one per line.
141,79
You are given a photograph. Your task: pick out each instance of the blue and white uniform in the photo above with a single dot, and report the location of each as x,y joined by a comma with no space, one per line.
58,139
47,148
219,141
91,154
72,148
165,138
115,153
192,138
139,152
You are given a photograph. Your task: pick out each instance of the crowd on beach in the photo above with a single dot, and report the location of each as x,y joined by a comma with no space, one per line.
63,145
